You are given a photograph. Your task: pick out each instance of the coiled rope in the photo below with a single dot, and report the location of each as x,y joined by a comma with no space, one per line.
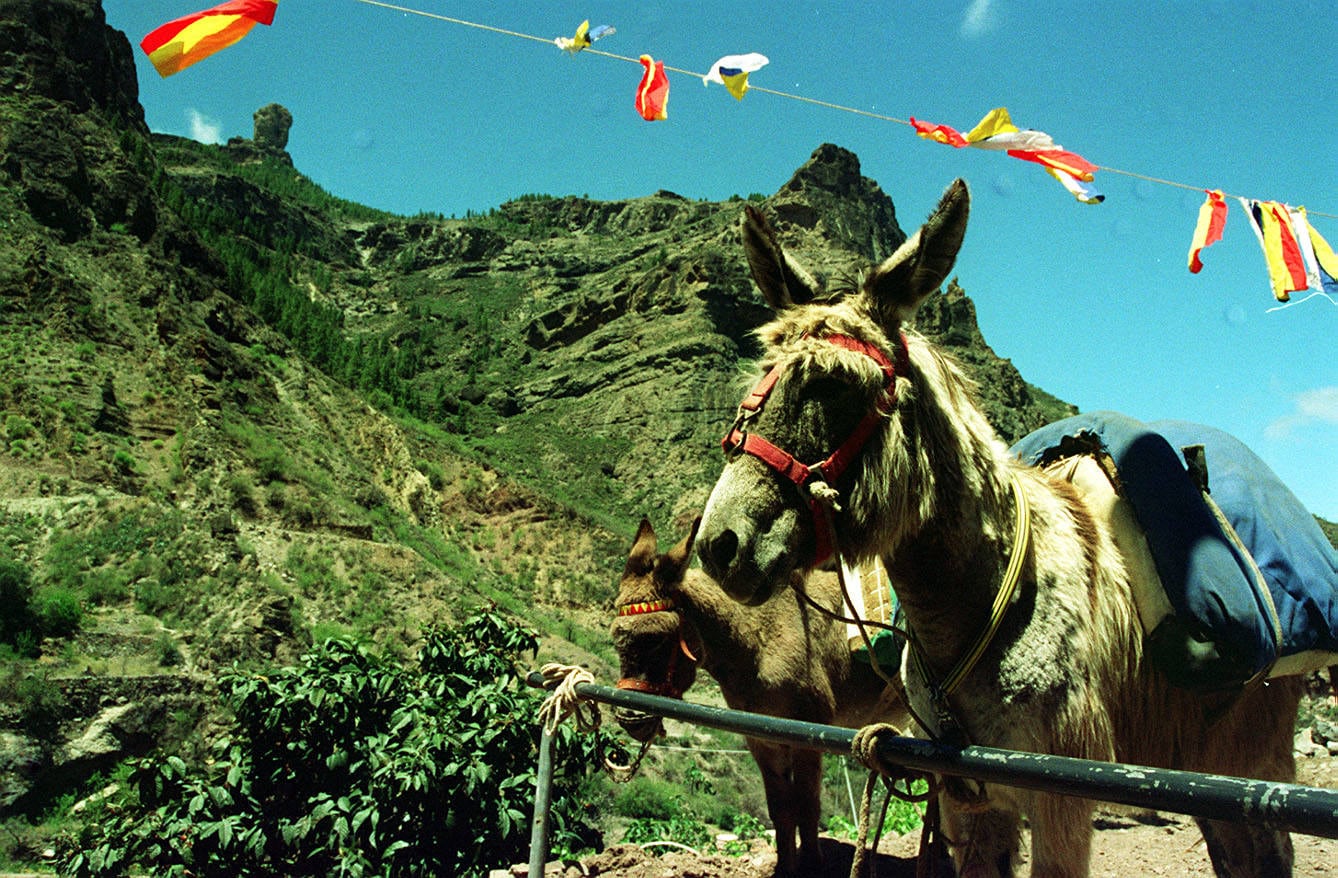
564,702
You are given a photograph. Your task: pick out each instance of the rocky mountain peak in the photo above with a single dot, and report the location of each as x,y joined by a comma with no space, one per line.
63,50
829,195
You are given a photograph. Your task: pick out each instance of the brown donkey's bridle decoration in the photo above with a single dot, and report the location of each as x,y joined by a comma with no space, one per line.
740,441
668,688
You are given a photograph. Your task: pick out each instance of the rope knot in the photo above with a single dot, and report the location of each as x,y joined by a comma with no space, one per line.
825,494
564,702
864,747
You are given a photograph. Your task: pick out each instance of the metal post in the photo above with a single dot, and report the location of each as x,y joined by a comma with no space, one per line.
1280,806
543,794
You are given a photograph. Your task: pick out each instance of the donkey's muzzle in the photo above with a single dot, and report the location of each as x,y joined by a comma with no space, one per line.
641,726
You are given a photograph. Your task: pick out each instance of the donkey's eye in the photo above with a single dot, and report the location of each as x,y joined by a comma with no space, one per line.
824,390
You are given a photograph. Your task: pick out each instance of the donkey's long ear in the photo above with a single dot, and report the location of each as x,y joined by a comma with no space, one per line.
921,264
641,560
680,555
783,281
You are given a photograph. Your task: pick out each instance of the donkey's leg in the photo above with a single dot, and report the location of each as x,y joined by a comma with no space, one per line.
1242,850
776,762
984,843
807,773
1061,837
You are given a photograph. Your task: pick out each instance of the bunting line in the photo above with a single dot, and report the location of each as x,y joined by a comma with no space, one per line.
763,90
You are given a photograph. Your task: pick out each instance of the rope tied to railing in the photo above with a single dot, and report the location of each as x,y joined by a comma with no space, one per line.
565,701
864,747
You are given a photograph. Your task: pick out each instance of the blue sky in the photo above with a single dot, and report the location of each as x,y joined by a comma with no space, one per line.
1092,302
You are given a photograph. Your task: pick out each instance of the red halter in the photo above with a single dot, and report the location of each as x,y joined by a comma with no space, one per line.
739,440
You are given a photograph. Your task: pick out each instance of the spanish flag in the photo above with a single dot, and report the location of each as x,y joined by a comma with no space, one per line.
652,95
180,43
1212,219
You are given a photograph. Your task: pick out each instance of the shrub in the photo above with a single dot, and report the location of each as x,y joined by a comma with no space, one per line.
682,829
351,764
58,612
19,427
16,593
124,462
40,705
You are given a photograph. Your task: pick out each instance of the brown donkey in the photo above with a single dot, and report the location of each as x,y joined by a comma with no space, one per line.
784,659
913,473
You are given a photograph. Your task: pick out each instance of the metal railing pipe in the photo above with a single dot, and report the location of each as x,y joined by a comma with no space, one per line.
1277,805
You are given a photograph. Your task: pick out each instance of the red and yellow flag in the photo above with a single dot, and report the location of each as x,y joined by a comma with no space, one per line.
178,44
652,95
1272,224
1059,160
939,133
1212,219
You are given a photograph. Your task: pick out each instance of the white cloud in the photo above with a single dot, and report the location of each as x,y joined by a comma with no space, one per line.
1317,406
980,19
203,128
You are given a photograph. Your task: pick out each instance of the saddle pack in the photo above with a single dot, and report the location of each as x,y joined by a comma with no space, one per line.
1233,578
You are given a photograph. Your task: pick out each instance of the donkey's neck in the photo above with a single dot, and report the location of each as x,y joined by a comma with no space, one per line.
723,626
947,571
946,582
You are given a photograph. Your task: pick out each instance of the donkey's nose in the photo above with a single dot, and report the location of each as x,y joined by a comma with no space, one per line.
718,551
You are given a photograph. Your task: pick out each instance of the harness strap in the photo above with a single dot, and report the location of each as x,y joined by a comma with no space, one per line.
1002,598
645,686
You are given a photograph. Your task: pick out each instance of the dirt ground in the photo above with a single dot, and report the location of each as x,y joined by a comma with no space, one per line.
1126,844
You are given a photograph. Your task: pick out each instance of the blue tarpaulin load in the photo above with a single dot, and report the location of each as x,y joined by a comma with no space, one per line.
1253,590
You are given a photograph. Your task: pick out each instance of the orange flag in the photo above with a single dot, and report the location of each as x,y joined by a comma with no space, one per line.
1212,219
181,42
652,95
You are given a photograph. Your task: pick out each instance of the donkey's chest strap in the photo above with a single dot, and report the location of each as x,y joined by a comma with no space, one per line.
1002,598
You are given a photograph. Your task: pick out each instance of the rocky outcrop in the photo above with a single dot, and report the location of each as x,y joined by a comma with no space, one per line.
269,140
104,720
830,196
63,52
62,150
272,123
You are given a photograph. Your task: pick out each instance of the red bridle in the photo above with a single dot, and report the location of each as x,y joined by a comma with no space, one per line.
739,441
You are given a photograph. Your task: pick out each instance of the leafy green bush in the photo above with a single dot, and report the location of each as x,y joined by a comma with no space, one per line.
351,765
16,591
902,817
681,828
58,612
40,706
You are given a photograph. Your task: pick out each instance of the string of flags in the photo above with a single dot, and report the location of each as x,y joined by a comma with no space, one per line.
997,131
1297,257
